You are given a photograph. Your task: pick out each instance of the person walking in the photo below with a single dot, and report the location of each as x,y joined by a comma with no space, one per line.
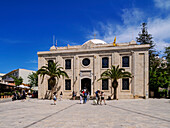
81,98
54,97
85,97
23,95
98,96
102,98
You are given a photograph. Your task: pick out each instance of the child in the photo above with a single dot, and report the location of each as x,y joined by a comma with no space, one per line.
102,98
54,98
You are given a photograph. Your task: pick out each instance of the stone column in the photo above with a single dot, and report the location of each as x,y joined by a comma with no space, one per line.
146,75
41,86
96,73
133,73
76,74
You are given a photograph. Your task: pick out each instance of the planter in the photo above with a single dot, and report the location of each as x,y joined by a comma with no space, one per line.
151,94
2,97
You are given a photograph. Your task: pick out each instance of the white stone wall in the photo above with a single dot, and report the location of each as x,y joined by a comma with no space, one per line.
24,74
138,58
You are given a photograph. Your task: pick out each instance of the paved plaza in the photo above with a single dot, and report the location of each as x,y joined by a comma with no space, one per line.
131,113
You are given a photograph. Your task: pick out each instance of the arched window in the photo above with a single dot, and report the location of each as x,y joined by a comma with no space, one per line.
125,61
105,62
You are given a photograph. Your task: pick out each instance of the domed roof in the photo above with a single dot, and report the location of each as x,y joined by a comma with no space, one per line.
53,48
96,41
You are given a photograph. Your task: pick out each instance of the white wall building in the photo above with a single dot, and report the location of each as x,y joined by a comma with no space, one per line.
85,63
17,73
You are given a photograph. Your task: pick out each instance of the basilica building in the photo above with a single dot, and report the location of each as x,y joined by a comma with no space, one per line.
85,63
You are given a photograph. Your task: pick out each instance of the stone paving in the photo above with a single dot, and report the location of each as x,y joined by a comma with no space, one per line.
131,113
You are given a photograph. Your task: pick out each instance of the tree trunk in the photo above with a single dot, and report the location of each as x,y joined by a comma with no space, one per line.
115,85
52,91
115,93
52,82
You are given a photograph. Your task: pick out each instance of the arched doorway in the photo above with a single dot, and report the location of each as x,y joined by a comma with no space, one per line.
86,84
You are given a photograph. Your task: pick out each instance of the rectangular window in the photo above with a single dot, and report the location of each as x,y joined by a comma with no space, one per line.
125,61
68,64
50,62
125,84
105,62
67,84
105,84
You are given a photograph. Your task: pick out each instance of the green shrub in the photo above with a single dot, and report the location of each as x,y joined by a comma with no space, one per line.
163,93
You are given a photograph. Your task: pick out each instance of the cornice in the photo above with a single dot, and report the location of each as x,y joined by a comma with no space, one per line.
129,47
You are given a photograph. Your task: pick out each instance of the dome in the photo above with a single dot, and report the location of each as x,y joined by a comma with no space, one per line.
95,41
53,48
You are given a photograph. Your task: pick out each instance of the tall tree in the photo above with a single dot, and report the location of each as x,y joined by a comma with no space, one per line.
167,56
54,72
144,37
114,74
33,79
17,81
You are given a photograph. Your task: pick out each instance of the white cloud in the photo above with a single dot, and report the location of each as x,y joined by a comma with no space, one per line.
132,19
132,16
160,30
162,4
124,33
160,45
158,27
107,32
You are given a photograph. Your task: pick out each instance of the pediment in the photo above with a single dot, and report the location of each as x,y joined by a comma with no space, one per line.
88,45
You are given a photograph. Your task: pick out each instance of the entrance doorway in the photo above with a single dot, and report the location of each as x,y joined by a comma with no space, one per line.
86,84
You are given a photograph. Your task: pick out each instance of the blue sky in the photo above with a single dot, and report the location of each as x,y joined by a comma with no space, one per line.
28,26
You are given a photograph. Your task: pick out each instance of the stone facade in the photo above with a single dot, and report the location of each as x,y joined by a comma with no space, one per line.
88,62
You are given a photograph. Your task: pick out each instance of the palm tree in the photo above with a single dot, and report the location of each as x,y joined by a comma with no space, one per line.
54,72
114,74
